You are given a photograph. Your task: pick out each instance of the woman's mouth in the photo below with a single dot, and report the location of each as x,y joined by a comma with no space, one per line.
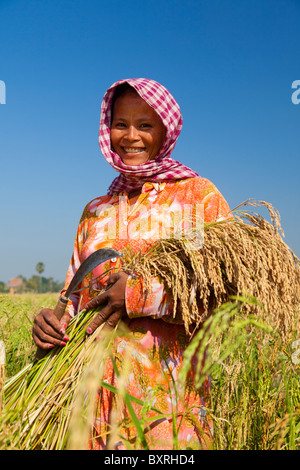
133,149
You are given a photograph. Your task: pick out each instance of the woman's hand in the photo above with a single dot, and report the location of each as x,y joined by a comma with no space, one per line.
48,331
114,298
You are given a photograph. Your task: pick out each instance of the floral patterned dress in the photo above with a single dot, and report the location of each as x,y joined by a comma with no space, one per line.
159,343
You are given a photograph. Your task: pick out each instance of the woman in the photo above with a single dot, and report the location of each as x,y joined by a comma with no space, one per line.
139,126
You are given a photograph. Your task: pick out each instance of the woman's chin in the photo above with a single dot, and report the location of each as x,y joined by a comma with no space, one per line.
134,160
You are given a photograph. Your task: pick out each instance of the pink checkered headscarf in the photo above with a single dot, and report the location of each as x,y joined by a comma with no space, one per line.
163,167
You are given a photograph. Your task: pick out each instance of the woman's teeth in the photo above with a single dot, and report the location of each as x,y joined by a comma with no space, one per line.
133,150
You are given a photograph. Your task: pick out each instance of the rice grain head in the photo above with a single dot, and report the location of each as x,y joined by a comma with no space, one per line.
242,255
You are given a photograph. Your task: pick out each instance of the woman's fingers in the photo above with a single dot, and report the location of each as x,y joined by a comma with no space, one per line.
99,319
64,321
48,331
110,321
98,300
113,300
110,314
113,319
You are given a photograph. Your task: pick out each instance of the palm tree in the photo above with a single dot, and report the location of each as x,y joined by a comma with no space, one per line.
40,267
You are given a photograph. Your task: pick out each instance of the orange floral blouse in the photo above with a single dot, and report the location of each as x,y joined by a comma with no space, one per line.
109,221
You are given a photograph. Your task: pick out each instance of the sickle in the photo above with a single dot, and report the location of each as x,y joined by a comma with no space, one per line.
96,258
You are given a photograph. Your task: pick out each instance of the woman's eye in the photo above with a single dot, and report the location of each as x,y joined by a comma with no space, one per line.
145,125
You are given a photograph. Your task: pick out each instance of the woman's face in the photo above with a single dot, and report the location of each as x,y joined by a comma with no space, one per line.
137,132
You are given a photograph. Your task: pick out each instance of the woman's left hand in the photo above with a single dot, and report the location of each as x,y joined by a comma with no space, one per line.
114,298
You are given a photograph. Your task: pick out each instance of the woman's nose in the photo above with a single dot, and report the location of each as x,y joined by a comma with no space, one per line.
132,133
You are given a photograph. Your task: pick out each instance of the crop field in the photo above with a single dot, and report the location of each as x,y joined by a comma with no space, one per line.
255,374
16,317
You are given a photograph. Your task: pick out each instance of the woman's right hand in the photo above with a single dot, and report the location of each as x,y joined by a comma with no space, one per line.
48,331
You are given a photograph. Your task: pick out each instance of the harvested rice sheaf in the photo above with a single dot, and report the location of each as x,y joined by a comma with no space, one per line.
244,254
38,400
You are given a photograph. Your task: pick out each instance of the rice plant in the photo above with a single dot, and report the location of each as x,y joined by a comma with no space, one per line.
255,386
16,317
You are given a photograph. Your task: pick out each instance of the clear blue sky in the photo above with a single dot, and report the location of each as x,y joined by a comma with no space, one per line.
229,63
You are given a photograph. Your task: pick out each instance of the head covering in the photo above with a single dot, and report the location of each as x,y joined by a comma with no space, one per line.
163,167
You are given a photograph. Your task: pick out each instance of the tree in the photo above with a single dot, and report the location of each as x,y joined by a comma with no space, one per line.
40,267
3,287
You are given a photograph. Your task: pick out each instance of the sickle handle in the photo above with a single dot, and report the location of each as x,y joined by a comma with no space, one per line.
60,307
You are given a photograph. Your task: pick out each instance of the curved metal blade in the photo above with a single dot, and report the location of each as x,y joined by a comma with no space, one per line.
96,258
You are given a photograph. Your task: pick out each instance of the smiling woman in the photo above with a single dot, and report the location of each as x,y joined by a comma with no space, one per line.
139,125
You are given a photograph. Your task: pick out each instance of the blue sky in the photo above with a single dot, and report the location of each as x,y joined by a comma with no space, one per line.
229,63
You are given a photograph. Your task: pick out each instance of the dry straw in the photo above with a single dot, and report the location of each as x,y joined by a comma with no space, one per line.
243,254
38,400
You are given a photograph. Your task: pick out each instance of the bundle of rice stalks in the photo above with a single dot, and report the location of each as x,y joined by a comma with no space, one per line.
38,400
243,254
50,403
